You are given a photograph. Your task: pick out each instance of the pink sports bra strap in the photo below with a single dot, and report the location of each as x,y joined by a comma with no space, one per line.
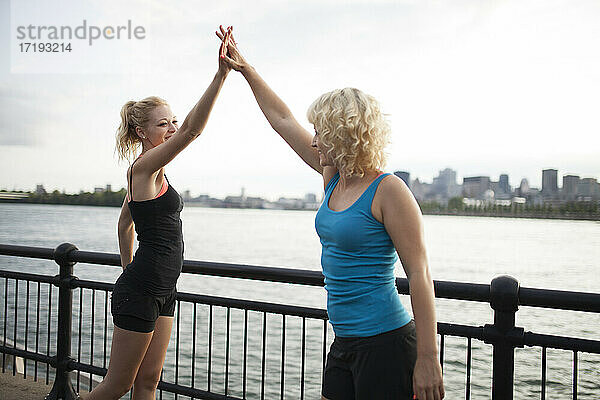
163,188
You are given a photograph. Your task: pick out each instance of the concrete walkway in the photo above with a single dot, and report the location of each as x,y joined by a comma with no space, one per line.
17,388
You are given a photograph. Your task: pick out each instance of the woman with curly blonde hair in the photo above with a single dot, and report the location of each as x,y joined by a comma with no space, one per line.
367,216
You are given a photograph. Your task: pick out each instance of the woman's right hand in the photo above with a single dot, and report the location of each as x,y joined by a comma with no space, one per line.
232,55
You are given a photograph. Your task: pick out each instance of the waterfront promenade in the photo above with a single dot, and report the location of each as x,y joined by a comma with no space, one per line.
268,350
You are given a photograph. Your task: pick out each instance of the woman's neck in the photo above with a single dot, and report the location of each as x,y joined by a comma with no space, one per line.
346,182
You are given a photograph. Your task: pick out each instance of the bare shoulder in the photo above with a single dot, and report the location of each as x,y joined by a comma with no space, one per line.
394,198
392,188
140,168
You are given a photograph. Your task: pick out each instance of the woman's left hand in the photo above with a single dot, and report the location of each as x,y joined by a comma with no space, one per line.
224,66
428,383
230,53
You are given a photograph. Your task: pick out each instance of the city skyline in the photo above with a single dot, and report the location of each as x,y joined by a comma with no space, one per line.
508,185
487,87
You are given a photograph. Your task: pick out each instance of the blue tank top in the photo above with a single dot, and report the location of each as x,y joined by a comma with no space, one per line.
358,258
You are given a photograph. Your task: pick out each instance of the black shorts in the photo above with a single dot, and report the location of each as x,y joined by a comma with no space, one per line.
136,311
374,367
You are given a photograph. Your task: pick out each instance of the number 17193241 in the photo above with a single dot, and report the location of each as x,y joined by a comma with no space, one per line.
26,47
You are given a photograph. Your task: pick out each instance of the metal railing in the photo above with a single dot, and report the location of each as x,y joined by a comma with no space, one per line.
503,294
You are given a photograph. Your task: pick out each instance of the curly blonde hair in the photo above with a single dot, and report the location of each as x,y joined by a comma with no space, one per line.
352,128
134,114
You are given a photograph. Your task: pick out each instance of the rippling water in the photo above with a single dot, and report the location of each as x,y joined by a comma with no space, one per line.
539,253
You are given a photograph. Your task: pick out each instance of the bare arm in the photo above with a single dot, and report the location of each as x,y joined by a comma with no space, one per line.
275,110
402,219
281,119
192,127
126,234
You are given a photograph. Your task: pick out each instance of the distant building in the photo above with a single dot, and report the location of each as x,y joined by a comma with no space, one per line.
233,202
254,202
311,202
534,197
98,190
405,176
290,203
529,194
206,201
588,189
109,188
523,188
242,201
444,186
503,184
310,198
502,190
495,189
447,177
549,183
39,189
187,196
569,187
476,186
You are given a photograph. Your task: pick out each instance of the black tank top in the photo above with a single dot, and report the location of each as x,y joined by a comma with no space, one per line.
158,259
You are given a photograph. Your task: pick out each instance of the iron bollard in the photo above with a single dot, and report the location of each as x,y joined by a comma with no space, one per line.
504,300
62,389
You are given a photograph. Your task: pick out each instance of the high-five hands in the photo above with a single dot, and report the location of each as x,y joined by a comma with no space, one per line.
229,52
225,36
224,66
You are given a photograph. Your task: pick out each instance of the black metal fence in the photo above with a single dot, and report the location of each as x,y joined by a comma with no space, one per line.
281,348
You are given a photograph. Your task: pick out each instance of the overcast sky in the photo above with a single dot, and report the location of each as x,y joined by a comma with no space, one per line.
483,87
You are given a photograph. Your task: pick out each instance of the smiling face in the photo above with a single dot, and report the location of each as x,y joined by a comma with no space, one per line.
161,125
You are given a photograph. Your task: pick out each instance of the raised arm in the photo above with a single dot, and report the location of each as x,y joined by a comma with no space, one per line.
192,127
275,110
402,219
125,233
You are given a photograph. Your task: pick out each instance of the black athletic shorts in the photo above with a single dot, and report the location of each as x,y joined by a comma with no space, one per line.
134,310
374,367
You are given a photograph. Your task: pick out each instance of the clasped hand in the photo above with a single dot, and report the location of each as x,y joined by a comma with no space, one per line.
228,51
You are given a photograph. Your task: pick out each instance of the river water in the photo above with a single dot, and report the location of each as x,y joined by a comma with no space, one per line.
554,254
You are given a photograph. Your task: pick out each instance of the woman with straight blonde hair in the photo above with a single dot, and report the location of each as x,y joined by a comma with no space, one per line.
143,300
367,216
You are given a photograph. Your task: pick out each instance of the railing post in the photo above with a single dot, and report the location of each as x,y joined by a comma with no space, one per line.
504,300
62,389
